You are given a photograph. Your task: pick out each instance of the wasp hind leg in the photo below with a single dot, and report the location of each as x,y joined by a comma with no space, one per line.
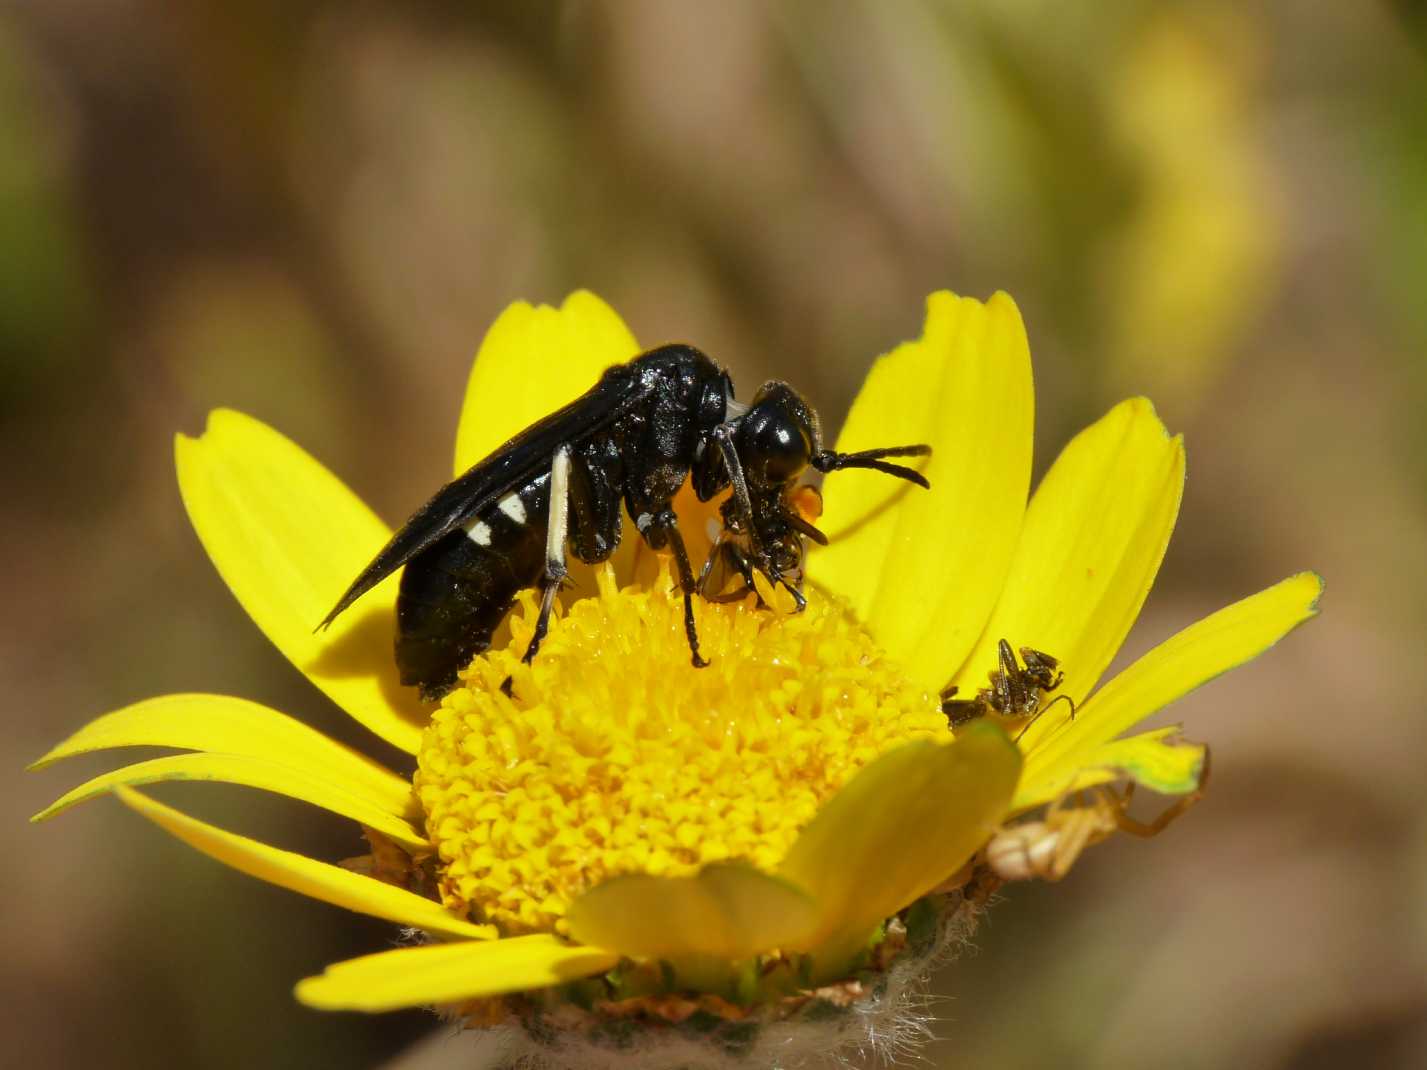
557,529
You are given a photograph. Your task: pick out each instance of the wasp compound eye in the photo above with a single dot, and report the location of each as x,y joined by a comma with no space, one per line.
777,436
773,447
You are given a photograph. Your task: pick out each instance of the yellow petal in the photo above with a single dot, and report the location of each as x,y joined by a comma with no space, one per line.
899,827
288,537
535,359
304,875
449,973
1159,760
236,726
1171,670
1093,539
726,911
262,773
923,568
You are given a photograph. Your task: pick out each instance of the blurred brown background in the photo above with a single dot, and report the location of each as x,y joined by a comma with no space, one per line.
312,211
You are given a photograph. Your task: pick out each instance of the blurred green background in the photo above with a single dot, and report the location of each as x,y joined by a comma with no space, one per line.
312,211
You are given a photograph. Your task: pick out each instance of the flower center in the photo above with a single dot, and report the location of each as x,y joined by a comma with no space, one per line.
614,755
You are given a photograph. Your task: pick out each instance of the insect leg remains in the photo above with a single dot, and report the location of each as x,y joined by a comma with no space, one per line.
1015,691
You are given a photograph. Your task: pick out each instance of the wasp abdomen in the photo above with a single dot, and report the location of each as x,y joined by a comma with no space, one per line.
455,593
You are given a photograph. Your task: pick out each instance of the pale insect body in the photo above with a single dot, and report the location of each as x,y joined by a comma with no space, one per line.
1046,848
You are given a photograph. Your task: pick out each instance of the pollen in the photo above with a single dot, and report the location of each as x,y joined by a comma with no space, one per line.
612,754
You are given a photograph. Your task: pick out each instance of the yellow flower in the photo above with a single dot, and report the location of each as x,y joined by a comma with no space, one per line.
753,825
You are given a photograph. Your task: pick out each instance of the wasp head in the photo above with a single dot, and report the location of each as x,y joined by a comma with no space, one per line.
762,450
777,437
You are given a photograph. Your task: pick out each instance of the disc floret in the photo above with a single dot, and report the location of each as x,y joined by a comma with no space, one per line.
612,755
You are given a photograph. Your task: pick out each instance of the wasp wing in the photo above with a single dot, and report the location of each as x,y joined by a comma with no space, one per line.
512,465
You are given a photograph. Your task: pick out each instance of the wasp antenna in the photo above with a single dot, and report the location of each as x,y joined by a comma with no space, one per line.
831,461
918,449
911,475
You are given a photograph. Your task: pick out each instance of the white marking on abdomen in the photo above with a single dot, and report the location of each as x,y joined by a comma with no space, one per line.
479,531
513,507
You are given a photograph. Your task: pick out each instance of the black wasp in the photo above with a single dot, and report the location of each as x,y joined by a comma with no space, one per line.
1015,691
631,440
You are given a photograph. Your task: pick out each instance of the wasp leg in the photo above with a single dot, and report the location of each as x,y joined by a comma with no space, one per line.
723,438
661,530
556,530
596,514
